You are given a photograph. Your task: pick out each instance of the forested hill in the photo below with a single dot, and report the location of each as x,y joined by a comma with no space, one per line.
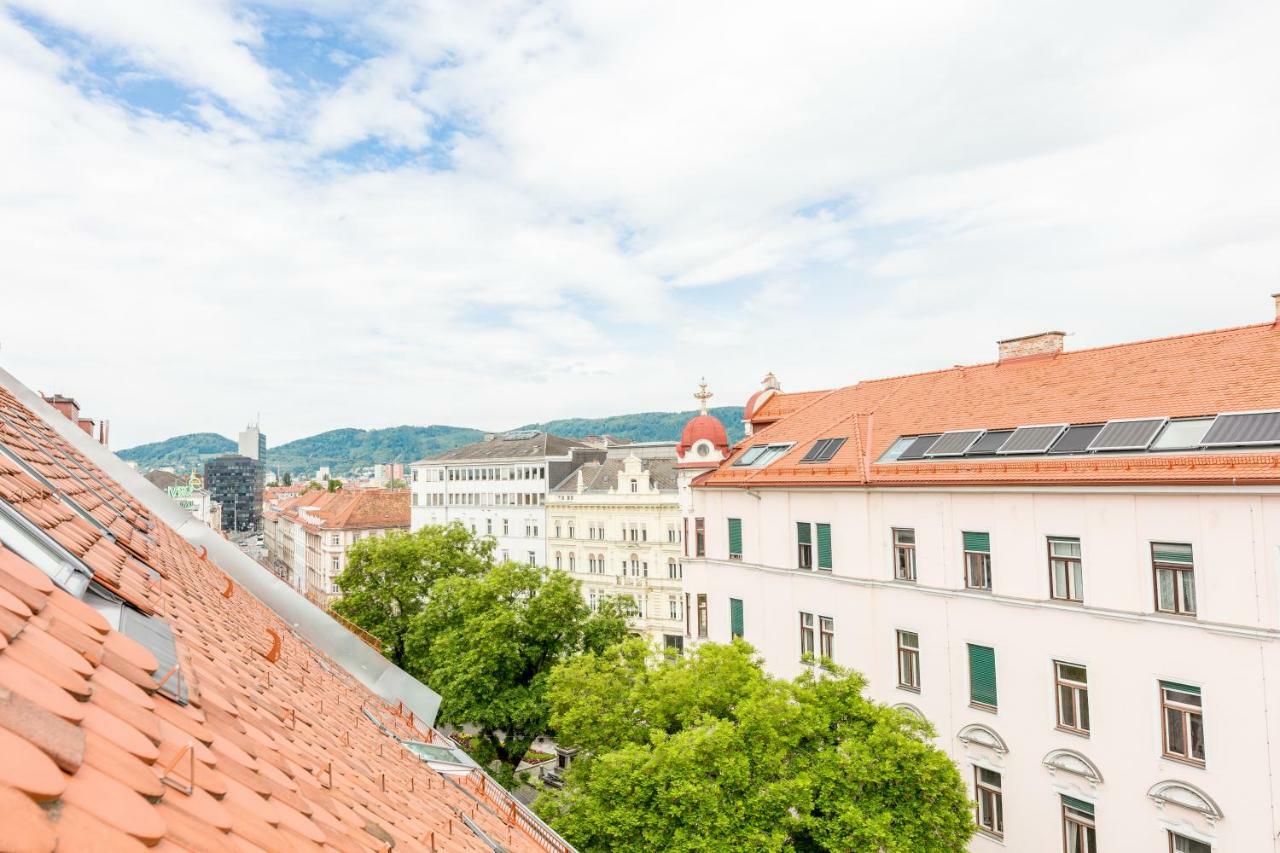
345,449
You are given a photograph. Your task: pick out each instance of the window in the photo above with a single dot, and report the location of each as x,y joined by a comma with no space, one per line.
533,558
1071,684
557,559
977,560
634,486
827,637
673,607
806,636
990,810
702,616
982,677
1066,575
700,535
804,545
505,528
572,562
673,570
333,566
1182,722
571,536
1078,832
488,526
735,539
735,617
592,602
673,643
1175,578
904,553
1182,844
909,660
760,455
335,539
557,530
822,450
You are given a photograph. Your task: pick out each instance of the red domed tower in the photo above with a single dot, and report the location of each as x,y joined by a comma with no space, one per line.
756,401
704,441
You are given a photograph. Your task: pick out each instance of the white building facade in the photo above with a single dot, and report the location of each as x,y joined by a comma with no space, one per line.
498,487
1087,612
615,525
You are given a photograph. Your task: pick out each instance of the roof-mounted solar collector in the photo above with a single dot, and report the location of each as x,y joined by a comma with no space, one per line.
1234,429
1032,439
1132,434
955,443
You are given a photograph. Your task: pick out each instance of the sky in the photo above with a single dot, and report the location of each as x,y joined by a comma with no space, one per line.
486,214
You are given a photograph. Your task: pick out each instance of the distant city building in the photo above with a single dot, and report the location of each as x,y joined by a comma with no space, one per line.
253,443
307,536
232,481
163,478
322,474
195,499
498,487
615,525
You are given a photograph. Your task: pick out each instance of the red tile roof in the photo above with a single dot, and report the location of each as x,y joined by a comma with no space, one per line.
1196,374
347,509
274,750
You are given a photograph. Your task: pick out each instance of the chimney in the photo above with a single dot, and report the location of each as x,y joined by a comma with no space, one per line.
1276,297
68,406
1044,343
86,424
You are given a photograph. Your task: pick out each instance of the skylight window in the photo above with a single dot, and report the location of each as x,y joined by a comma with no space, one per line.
1076,439
823,449
897,448
1182,435
760,455
990,442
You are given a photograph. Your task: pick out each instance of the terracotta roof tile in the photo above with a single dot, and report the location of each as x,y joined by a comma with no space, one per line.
93,757
1185,376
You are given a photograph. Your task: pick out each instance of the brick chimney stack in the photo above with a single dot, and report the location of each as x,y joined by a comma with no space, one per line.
1276,297
1044,343
67,405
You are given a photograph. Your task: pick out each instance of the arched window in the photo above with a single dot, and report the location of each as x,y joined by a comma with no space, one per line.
557,559
571,562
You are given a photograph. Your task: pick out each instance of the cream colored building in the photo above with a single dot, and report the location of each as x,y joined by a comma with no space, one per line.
615,526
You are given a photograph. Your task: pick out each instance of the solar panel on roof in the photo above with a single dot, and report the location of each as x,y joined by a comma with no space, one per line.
1238,428
955,442
990,442
1032,439
1076,439
1127,434
919,447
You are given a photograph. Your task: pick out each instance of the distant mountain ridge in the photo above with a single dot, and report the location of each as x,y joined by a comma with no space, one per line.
343,450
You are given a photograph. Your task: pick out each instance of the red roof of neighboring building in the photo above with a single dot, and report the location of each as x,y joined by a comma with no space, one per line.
274,750
1203,373
354,509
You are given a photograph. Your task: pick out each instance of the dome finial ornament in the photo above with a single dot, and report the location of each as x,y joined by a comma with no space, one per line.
771,382
702,395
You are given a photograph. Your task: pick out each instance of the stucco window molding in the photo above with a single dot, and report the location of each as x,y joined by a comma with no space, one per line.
912,710
1070,761
1187,796
980,735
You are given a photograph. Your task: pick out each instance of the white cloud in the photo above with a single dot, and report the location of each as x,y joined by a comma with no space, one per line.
639,195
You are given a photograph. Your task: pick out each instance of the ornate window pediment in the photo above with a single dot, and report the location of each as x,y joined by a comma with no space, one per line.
910,709
976,733
1186,795
1070,761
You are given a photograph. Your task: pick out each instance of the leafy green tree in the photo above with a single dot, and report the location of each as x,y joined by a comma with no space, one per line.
488,642
286,479
334,485
397,484
389,578
707,752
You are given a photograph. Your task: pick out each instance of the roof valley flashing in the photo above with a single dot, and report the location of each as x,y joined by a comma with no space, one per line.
369,667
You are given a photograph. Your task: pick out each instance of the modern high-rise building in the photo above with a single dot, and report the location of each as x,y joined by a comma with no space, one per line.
253,443
1067,561
233,481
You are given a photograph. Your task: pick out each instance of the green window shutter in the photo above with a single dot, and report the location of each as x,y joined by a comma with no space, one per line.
824,546
982,675
1184,688
1167,552
1081,805
804,532
977,542
735,537
735,616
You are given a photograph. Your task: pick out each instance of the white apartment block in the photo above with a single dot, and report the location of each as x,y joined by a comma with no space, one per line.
498,487
1068,562
615,525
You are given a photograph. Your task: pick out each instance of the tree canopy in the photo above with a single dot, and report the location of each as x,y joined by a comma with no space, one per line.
708,752
487,644
388,578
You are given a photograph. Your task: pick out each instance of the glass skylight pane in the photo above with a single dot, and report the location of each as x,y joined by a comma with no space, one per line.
990,442
918,448
752,454
896,449
1179,435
